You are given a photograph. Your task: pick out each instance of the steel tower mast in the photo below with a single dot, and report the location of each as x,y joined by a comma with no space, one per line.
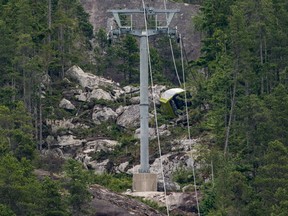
158,27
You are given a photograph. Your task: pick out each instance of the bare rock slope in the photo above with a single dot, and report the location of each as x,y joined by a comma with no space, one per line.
112,204
100,18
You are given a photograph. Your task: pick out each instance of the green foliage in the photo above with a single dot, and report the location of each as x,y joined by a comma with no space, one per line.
16,132
241,94
183,176
50,162
84,23
230,192
209,200
115,182
271,181
281,207
6,211
129,55
6,94
77,186
19,189
245,92
53,202
153,205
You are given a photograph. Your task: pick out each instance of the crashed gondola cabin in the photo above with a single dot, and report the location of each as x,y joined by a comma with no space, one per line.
173,101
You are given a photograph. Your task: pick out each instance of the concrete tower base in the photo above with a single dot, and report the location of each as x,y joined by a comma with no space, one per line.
144,182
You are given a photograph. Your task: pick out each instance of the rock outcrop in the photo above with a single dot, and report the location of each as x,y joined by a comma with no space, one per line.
87,80
99,145
129,117
66,104
92,107
103,114
70,140
99,18
63,124
177,203
93,87
108,203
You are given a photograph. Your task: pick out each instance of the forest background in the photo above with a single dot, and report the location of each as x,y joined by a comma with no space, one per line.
240,100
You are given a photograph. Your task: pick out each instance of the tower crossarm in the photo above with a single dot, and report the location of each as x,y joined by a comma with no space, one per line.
158,29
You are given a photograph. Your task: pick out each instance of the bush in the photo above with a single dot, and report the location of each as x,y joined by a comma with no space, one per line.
115,182
183,176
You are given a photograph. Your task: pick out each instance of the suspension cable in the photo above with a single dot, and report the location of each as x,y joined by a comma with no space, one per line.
174,62
171,48
186,106
188,125
155,111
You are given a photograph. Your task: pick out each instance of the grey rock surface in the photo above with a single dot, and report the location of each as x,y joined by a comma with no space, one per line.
103,114
87,80
130,117
100,18
108,203
66,104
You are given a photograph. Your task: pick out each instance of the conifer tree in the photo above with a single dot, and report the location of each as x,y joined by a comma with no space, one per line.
272,177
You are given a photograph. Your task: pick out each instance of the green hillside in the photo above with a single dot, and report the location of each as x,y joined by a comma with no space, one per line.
239,106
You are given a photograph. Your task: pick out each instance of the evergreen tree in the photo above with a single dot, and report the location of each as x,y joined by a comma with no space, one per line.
19,189
52,199
6,211
17,132
129,56
271,182
77,186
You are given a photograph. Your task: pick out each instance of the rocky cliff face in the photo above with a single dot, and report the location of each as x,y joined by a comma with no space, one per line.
108,203
100,18
96,107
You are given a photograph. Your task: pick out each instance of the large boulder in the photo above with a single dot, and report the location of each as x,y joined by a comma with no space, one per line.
170,162
96,94
70,140
57,124
169,185
95,87
99,167
82,96
122,167
131,89
135,100
153,132
130,117
103,114
99,145
66,104
185,202
100,94
88,80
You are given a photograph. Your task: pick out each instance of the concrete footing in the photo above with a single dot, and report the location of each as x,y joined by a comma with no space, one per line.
144,182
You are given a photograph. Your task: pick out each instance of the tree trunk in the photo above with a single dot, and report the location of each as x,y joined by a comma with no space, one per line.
233,100
35,115
49,21
62,49
40,120
261,60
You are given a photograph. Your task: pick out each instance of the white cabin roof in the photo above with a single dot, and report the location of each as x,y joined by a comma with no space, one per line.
168,94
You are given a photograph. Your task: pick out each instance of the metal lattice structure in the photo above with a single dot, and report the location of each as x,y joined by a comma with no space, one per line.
161,26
